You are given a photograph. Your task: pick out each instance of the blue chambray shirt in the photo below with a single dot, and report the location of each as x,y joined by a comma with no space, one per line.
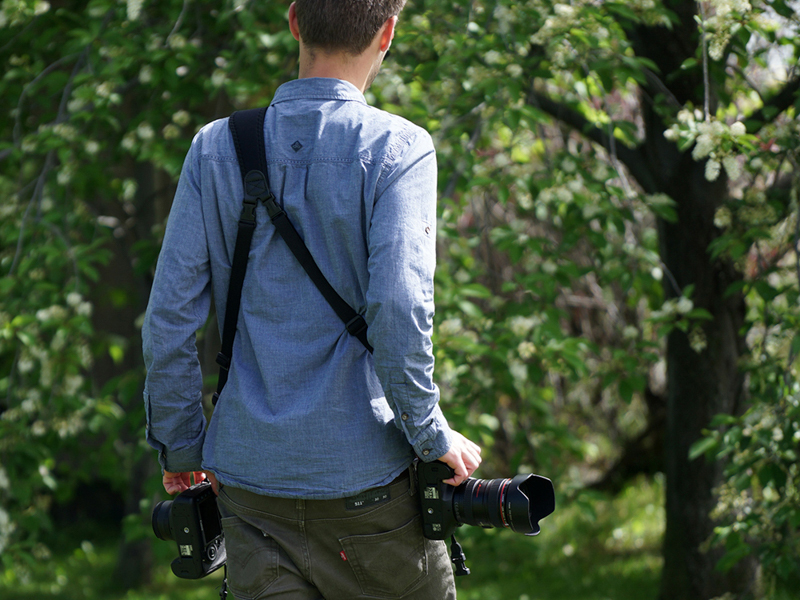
307,412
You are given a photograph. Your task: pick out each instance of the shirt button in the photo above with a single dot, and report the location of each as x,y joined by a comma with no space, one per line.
404,416
426,452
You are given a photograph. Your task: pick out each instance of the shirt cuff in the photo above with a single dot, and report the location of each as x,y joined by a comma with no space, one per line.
433,440
182,459
185,460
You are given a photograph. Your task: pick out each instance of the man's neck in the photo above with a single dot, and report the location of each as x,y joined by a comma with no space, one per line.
357,70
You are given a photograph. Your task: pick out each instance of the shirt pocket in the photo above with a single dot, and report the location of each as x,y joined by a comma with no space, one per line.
389,564
252,558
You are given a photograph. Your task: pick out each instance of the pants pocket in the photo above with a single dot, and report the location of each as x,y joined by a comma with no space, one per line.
252,558
387,565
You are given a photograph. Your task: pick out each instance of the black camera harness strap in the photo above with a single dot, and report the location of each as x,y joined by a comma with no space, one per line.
247,127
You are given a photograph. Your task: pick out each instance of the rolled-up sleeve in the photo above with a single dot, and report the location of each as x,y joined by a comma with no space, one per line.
400,303
179,304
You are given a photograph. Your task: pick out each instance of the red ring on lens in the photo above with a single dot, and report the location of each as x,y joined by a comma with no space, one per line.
503,502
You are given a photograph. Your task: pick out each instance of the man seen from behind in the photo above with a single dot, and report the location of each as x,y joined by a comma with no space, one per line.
312,440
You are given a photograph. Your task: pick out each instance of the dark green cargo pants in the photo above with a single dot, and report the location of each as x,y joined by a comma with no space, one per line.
366,547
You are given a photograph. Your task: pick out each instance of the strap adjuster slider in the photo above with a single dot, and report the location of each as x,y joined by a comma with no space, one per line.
356,325
223,361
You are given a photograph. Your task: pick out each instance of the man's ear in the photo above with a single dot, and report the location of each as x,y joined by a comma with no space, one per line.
293,27
387,33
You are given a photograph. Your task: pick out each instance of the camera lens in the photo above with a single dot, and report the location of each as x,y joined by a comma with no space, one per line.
161,526
516,503
480,502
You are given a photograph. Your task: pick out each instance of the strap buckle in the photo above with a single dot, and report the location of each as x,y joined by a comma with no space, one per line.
248,216
273,210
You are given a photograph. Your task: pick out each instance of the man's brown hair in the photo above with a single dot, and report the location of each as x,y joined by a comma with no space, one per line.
348,25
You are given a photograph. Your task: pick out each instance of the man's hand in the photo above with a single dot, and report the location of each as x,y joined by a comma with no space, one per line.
176,483
463,457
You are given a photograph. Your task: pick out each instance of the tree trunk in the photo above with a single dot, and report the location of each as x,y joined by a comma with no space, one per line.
701,384
704,382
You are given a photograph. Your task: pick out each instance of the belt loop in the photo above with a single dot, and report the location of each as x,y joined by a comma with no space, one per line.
412,476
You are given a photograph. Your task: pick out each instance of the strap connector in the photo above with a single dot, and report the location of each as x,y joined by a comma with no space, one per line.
273,210
356,325
256,186
223,361
248,216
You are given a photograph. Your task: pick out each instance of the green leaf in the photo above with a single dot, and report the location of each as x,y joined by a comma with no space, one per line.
734,555
766,291
705,445
623,11
476,290
700,314
470,309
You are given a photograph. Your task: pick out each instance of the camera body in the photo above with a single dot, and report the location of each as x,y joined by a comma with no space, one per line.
517,503
193,521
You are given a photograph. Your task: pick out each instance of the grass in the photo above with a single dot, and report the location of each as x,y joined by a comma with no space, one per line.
593,548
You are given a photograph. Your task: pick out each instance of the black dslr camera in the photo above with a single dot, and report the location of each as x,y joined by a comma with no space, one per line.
193,521
516,503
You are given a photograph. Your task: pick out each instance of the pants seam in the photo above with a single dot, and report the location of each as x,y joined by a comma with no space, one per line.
301,523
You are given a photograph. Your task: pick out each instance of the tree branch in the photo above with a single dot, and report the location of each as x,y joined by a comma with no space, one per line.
773,107
630,157
37,194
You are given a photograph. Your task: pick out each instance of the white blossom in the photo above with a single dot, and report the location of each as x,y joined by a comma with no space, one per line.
176,41
493,57
74,299
134,9
712,170
128,141
526,350
684,305
146,74
450,327
732,167
564,10
129,189
170,132
6,529
181,118
72,383
145,131
65,174
520,326
698,340
722,218
514,70
104,89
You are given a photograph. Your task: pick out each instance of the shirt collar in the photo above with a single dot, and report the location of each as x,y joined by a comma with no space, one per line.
321,88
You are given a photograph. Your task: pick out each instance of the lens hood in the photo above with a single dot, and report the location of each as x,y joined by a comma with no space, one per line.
528,498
